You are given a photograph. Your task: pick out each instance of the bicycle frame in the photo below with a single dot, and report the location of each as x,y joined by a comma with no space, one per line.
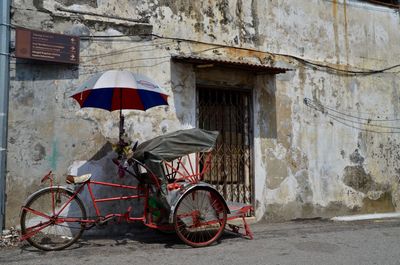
140,192
143,193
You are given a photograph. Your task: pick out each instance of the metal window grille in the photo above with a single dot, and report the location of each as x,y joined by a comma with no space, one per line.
229,112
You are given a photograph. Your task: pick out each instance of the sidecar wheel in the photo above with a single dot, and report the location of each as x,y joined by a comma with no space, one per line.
200,217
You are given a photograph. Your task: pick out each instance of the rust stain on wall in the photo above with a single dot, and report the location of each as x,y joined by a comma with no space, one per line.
336,29
262,57
346,33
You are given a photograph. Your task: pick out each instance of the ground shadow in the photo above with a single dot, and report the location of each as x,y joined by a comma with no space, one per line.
139,235
148,236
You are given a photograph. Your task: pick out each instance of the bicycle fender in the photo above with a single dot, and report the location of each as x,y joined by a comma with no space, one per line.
187,189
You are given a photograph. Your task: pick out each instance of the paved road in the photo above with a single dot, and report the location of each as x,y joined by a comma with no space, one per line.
305,242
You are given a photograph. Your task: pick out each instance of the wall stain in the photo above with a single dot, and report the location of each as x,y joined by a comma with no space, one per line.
336,30
52,159
302,77
284,116
21,188
191,9
223,7
378,196
92,3
346,33
356,158
297,210
39,152
383,204
244,34
256,22
357,178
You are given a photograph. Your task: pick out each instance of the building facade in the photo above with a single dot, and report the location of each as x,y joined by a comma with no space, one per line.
303,93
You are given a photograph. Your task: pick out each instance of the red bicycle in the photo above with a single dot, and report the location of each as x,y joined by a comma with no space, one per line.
169,170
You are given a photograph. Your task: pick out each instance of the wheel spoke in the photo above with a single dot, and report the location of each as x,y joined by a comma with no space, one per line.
31,230
36,212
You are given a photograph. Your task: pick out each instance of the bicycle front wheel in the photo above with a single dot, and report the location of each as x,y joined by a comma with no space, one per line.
51,219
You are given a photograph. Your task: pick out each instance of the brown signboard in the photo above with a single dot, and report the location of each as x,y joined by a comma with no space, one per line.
46,46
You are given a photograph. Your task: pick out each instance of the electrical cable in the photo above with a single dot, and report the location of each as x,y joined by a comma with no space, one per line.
302,60
124,51
360,118
299,59
101,71
321,108
360,123
345,121
363,129
383,3
127,61
129,67
373,2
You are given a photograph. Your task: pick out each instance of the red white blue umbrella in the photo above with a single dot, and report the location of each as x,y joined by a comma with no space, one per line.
118,90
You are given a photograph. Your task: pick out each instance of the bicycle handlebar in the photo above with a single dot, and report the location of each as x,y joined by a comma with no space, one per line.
47,176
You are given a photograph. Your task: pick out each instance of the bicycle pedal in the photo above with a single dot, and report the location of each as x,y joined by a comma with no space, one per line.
234,228
104,221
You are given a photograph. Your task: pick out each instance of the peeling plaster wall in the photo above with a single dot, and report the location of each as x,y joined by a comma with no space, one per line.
307,163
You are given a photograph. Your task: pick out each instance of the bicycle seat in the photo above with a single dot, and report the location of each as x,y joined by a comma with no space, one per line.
71,179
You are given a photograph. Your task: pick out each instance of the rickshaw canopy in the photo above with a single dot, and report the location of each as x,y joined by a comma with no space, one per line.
176,144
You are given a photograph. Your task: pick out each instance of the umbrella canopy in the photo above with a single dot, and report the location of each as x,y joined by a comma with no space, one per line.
117,90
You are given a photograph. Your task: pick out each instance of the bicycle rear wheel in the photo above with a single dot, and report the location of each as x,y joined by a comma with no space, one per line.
50,220
200,217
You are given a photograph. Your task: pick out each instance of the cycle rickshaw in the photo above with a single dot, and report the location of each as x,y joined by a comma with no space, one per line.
169,170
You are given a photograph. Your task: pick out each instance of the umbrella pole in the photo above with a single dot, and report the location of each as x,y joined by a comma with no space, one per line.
121,126
121,141
121,119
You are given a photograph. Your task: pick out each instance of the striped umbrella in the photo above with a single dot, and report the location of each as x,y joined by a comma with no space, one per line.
118,90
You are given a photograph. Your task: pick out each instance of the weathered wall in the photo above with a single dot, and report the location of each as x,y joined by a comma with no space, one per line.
307,163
